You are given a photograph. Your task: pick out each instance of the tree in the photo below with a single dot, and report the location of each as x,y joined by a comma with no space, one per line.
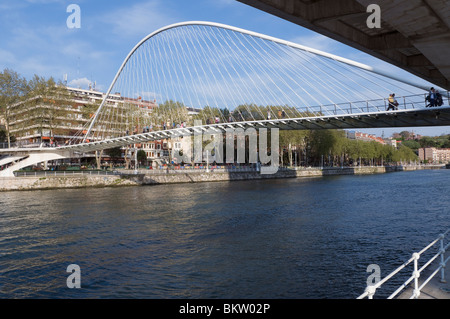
98,158
427,141
141,156
13,89
47,98
291,139
414,145
405,135
168,113
114,153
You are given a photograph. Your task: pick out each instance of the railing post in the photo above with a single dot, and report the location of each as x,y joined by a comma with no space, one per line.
442,250
416,275
371,289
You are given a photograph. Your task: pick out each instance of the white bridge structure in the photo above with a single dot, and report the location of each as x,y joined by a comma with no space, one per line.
238,79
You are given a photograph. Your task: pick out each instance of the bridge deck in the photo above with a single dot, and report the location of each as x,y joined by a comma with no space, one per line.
437,116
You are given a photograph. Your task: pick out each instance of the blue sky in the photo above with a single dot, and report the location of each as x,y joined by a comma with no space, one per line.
35,39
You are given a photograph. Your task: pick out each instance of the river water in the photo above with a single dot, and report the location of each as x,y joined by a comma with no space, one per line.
288,238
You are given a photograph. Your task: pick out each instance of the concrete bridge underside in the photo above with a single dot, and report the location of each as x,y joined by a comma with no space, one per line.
414,34
23,157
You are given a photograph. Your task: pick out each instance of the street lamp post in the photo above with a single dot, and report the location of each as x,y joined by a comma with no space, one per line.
135,161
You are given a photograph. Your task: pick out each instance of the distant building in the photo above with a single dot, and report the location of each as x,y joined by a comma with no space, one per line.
354,135
393,142
435,155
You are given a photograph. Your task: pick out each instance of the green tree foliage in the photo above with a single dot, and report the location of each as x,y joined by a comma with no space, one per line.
13,89
167,114
51,97
141,157
114,153
442,141
334,148
412,144
38,91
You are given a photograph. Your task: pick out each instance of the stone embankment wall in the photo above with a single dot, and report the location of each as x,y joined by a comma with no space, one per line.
152,178
31,183
197,177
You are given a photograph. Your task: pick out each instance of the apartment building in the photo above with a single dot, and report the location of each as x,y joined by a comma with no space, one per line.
62,119
354,135
435,155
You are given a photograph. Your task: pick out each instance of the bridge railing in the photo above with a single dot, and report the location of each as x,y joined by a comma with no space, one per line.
62,173
416,273
410,102
200,169
5,145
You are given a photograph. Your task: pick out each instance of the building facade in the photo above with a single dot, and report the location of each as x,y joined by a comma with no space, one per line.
435,155
354,135
47,122
63,119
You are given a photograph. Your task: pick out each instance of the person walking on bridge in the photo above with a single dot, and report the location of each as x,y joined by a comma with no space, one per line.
431,98
393,104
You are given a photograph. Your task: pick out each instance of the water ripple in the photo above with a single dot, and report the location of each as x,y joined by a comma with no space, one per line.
294,238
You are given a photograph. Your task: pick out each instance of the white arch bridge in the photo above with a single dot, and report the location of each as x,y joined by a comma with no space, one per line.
236,79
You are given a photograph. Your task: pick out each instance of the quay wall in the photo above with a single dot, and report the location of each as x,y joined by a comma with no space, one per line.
128,178
179,177
57,182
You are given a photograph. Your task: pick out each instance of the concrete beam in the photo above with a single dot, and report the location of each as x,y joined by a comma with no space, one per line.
415,34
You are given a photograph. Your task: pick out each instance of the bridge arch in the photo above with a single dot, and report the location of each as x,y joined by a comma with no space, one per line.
281,42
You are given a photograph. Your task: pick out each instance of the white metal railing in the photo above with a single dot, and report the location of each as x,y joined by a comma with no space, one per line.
199,169
62,173
410,102
372,288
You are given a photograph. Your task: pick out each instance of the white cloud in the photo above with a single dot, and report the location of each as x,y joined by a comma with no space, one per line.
82,83
140,18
